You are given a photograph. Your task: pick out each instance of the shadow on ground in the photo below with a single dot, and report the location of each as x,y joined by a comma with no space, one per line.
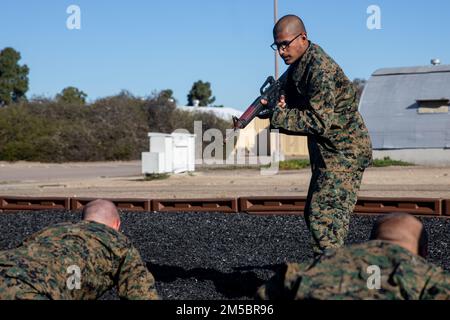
238,284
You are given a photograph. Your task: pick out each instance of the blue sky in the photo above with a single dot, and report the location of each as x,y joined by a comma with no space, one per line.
150,45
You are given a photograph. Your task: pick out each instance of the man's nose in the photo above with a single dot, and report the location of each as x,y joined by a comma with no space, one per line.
281,52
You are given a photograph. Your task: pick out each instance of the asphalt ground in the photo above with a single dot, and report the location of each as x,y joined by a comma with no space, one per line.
215,255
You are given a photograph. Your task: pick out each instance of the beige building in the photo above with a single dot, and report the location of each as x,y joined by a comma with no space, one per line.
254,139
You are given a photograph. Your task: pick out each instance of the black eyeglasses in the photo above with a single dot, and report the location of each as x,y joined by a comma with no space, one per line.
284,45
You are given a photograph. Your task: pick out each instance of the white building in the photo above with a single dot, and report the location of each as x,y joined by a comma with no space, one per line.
407,113
223,113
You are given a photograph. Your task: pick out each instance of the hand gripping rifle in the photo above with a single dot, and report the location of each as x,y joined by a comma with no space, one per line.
271,90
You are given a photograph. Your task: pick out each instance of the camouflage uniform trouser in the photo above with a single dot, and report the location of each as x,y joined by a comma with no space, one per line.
15,289
331,199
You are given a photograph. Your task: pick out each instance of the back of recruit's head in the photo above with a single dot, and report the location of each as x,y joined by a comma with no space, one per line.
402,229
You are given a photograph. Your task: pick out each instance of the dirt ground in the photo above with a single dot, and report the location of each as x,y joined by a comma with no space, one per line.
123,180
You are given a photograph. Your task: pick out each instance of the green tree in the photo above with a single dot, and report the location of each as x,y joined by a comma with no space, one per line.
167,94
72,95
13,77
201,91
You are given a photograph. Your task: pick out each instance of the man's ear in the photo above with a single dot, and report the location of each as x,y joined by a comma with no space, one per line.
117,225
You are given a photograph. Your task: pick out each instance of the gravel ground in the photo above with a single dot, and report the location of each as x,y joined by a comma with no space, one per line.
214,255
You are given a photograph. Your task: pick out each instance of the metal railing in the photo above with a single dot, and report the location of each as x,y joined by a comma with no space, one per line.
250,205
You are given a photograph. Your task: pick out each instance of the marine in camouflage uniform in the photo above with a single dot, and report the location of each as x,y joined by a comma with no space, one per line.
322,104
342,273
41,267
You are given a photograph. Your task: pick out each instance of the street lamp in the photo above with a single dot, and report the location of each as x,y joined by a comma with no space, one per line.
275,19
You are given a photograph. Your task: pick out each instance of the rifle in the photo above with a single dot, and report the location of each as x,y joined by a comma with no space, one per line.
271,90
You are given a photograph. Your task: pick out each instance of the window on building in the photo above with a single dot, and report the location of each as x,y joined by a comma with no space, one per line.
433,106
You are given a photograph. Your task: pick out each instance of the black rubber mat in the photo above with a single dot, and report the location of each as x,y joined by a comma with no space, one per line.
214,255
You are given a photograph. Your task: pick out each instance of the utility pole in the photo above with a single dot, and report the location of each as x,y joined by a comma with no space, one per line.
275,19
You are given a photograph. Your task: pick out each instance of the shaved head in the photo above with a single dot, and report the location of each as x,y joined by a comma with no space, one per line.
102,211
402,229
290,38
290,24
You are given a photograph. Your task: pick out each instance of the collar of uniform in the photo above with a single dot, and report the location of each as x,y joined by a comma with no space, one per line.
385,243
97,224
300,65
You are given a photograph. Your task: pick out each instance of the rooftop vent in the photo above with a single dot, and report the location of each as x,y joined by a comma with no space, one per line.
435,62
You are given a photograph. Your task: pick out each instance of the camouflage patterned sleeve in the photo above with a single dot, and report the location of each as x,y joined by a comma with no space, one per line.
284,285
135,282
316,119
438,287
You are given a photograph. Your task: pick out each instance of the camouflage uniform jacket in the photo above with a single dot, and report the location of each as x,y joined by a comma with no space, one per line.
105,257
322,103
343,274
